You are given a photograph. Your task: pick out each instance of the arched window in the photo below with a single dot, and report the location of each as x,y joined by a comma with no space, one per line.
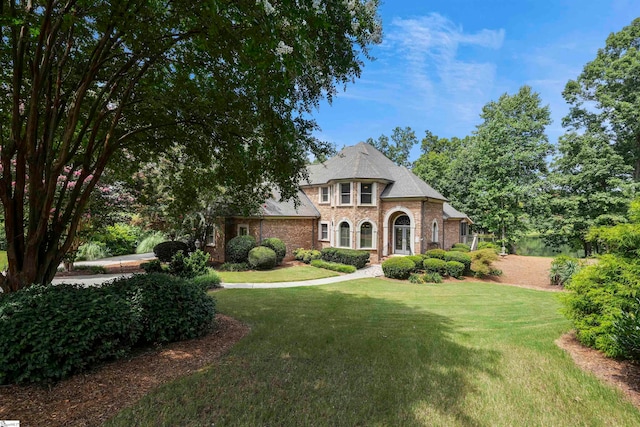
345,235
435,236
366,235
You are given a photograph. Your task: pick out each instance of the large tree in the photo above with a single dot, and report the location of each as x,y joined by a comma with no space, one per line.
590,185
398,147
93,84
606,95
509,158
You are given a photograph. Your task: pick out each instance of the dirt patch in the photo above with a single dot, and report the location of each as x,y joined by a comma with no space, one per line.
120,268
620,373
92,398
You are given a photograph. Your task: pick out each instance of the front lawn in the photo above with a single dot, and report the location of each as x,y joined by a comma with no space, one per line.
376,352
288,274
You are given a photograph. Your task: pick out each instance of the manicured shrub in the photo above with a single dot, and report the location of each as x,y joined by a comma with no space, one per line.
50,332
306,255
334,266
398,268
209,280
562,268
234,266
459,257
417,260
435,265
489,245
346,256
91,251
238,248
190,266
170,308
166,250
482,263
461,247
262,258
455,269
435,253
153,266
278,247
149,242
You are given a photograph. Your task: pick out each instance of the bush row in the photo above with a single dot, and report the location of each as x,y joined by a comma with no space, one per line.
306,255
346,256
50,332
334,266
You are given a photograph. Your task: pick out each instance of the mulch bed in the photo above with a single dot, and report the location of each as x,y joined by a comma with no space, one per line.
91,398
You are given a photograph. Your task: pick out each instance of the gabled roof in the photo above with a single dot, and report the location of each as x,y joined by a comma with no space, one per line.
363,161
273,207
449,212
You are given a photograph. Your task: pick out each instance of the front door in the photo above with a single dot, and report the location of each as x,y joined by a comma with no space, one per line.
402,236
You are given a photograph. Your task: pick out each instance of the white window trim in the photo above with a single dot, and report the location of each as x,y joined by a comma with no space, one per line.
242,226
339,193
337,231
435,228
373,194
374,234
320,231
320,201
214,234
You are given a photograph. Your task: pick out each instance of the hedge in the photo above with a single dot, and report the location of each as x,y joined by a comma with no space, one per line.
435,253
435,265
166,250
398,268
278,247
306,255
455,269
334,266
459,257
346,256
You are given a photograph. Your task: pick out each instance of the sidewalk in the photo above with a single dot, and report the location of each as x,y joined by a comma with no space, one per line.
118,259
370,271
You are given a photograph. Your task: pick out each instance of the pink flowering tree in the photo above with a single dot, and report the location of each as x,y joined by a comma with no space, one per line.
87,85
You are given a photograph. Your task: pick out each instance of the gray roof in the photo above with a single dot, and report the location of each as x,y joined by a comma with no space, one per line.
449,212
363,161
273,206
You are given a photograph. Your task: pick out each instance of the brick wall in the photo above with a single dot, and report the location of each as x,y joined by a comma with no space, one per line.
432,210
451,232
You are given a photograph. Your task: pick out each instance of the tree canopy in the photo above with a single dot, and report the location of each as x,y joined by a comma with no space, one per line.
91,85
398,147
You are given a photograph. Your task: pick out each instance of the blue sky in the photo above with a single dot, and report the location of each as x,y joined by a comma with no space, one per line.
441,61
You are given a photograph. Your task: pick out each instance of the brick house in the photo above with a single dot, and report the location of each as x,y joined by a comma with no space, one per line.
358,199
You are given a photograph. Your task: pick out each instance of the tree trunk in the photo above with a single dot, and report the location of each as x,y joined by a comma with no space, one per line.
588,248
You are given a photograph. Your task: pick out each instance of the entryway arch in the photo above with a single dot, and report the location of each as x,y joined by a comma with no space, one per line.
399,232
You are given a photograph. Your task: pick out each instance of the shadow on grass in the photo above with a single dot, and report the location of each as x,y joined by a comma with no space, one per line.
316,357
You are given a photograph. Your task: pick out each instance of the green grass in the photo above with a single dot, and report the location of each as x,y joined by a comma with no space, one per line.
289,274
3,260
378,353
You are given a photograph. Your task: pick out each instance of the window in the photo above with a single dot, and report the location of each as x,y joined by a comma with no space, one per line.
243,230
366,235
463,228
210,239
345,193
324,194
345,235
366,193
323,232
434,232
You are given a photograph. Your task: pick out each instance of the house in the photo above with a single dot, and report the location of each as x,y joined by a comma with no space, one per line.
357,199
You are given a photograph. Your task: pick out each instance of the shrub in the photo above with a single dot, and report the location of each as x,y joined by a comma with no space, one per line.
278,247
460,247
416,278
562,269
459,257
435,253
189,267
346,256
234,266
170,308
148,243
262,258
398,268
50,332
92,250
417,260
435,265
489,245
481,263
334,266
166,250
455,269
431,278
153,266
238,248
120,238
209,280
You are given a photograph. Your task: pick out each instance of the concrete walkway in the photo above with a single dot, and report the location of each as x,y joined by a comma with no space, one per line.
370,271
118,259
